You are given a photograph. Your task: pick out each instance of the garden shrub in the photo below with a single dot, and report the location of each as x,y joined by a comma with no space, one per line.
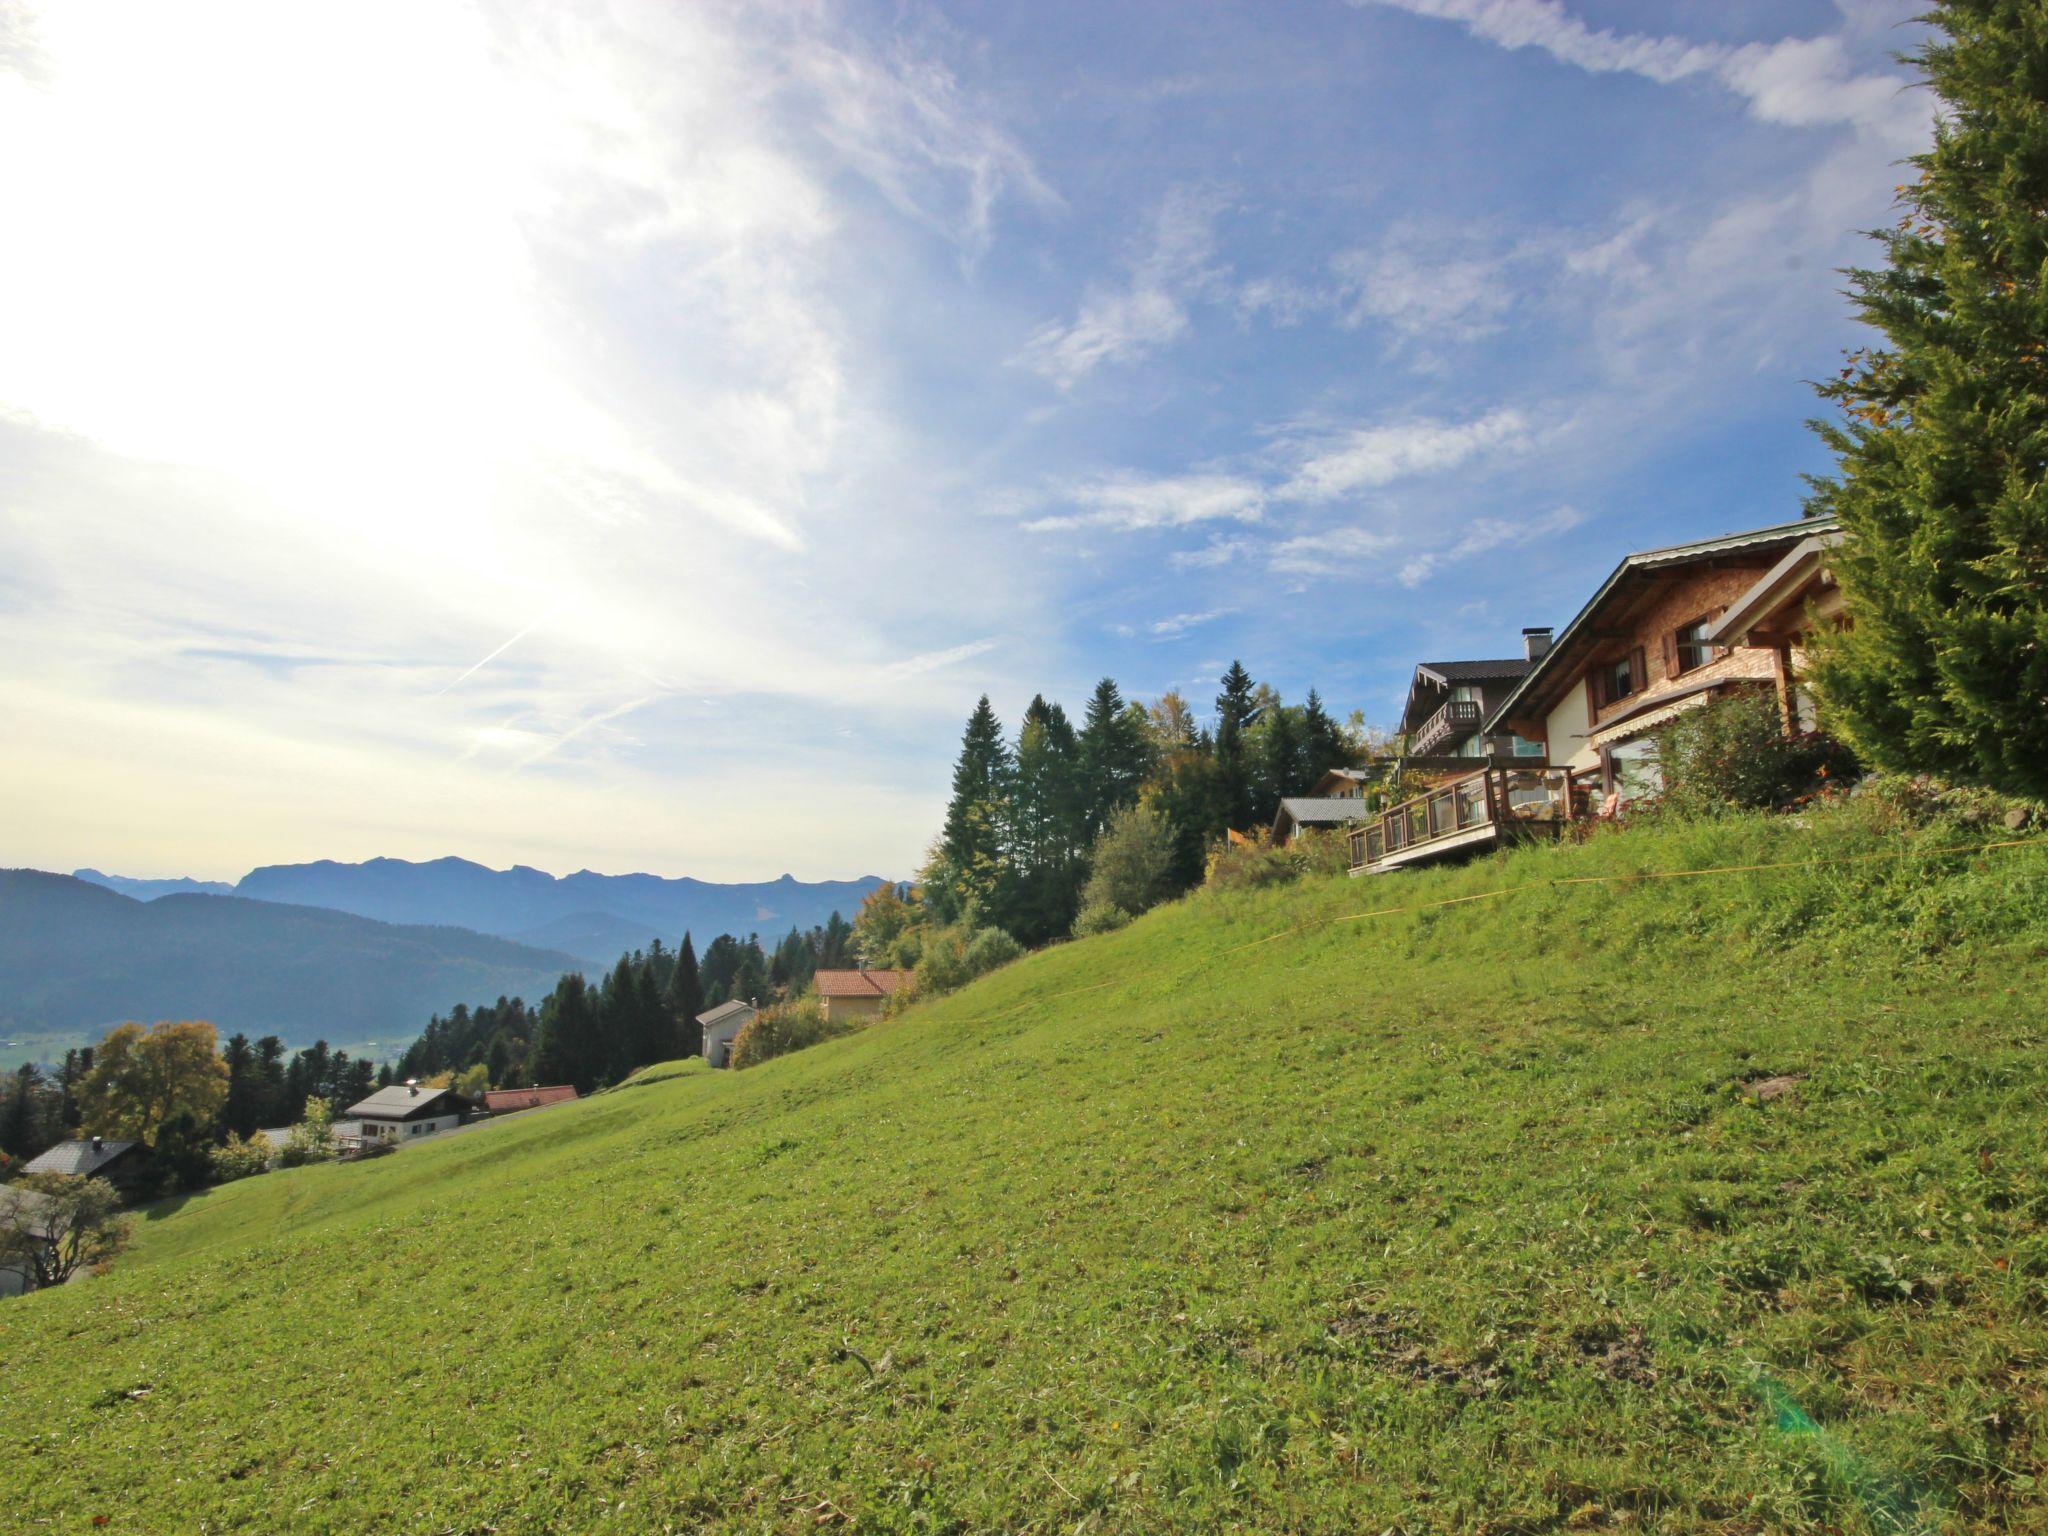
1131,866
1100,917
955,955
784,1027
239,1158
1733,753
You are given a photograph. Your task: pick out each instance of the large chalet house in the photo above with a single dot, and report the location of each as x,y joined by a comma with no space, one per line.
1517,749
1648,647
406,1111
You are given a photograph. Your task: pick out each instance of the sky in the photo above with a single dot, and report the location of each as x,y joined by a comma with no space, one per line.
630,436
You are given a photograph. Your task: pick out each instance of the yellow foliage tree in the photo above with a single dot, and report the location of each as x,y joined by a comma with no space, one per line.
142,1077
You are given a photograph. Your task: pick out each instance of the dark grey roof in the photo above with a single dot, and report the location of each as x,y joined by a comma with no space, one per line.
79,1156
1323,810
724,1011
1475,671
398,1102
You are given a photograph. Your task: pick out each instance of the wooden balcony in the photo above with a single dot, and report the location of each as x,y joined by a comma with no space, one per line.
1459,717
1486,809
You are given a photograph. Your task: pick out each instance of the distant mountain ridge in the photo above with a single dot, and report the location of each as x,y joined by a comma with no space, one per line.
75,954
150,890
593,916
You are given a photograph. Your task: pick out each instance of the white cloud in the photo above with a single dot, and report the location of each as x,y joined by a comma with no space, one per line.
1423,294
1332,551
1171,501
1365,457
1219,551
1149,311
1181,623
931,661
1797,81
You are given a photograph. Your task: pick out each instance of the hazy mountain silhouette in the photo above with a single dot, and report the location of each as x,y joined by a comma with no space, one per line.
74,954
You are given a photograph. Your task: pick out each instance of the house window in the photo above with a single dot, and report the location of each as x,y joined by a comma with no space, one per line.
1618,679
1693,647
1465,693
1527,748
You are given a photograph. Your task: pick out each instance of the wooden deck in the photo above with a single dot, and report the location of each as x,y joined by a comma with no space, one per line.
1485,809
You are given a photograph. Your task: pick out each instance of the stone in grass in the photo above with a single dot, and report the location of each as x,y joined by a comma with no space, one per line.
1765,1089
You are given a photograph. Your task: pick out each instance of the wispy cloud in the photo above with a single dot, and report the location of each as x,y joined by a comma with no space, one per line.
1331,551
1171,501
1797,81
1181,623
1337,465
1150,310
1219,551
1484,534
931,661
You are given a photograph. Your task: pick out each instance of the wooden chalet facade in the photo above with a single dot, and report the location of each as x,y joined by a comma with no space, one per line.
1643,651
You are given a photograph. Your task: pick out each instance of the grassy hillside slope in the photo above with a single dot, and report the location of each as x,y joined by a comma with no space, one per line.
1451,1220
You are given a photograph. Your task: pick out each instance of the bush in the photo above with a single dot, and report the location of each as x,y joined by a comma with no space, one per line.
238,1159
312,1139
781,1028
1254,863
1099,918
1733,753
1131,867
955,956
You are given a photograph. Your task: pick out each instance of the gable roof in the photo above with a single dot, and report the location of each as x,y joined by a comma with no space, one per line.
87,1155
501,1101
727,1010
1552,663
1448,672
401,1102
1321,810
859,983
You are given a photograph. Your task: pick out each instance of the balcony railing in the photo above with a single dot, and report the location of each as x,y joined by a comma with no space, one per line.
1455,719
1484,807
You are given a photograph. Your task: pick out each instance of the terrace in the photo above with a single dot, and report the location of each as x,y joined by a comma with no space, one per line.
1489,808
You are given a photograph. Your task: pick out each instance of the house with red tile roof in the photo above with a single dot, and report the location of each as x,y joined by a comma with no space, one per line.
510,1101
860,994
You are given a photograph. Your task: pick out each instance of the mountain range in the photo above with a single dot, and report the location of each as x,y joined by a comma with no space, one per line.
591,916
74,955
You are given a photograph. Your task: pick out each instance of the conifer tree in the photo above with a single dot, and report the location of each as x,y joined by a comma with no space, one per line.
971,846
566,1049
1236,779
1941,481
1323,745
686,1000
1114,757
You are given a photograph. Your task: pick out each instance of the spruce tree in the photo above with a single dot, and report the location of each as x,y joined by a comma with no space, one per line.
1323,746
1115,756
686,1000
1236,780
1942,443
972,843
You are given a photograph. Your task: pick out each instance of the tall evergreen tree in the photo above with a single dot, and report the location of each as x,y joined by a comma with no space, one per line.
1323,745
972,843
1236,775
1045,842
1942,446
568,1047
1114,756
686,1000
245,1089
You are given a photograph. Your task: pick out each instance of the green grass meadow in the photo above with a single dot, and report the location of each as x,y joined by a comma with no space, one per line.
1466,1219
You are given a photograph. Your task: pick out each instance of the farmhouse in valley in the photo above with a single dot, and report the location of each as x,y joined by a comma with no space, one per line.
860,994
407,1111
720,1025
123,1164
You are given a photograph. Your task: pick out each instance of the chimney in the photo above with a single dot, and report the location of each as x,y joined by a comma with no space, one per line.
412,1086
1536,642
98,1145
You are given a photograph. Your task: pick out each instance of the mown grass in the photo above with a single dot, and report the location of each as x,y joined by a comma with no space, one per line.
1447,1220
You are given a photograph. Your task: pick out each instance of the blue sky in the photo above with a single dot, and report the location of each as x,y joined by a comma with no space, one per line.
631,436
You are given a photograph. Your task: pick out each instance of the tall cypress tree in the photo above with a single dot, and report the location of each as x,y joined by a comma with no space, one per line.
1942,444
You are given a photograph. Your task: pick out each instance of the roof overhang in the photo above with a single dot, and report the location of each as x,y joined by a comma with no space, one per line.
1783,588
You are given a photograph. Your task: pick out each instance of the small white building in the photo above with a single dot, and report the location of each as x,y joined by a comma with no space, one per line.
720,1024
406,1111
